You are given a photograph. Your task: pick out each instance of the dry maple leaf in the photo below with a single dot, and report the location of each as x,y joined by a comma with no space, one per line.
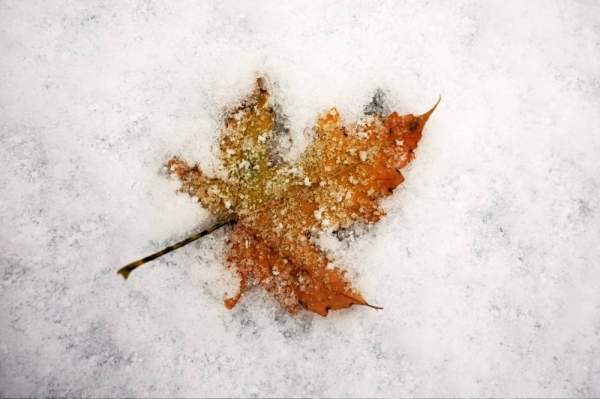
278,207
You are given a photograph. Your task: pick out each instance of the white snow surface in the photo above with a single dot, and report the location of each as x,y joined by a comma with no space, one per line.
487,264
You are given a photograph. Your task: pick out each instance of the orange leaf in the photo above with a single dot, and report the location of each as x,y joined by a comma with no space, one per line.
279,206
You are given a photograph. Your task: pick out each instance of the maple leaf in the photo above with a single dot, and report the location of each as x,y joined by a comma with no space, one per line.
278,207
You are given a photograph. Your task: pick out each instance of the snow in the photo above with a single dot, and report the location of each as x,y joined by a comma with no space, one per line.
486,264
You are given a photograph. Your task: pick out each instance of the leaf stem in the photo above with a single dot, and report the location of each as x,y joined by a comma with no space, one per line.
128,268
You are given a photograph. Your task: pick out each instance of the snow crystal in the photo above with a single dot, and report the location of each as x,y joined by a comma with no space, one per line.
363,155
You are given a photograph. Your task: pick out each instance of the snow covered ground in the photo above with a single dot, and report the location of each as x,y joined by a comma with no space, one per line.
488,263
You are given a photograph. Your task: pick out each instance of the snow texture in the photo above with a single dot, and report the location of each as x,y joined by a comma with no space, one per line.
488,263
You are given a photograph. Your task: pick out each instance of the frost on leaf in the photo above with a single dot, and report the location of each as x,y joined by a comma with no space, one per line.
278,206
